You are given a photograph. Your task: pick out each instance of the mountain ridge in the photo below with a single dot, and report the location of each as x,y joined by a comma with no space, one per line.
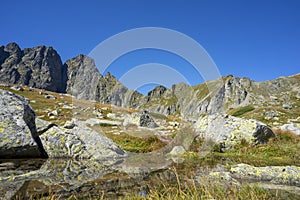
41,67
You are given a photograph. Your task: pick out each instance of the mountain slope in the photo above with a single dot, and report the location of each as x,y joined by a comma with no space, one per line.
41,67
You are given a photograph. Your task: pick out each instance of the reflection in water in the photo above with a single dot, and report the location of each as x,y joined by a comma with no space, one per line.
79,177
27,178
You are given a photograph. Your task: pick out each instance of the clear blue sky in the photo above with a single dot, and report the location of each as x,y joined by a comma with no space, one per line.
259,39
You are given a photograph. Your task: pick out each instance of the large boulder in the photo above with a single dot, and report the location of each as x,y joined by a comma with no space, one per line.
78,142
18,134
142,119
146,120
229,131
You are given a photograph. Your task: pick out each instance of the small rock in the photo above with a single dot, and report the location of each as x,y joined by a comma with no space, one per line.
98,113
286,106
67,107
31,89
177,151
49,96
17,88
270,115
111,115
291,127
7,165
69,124
54,113
4,85
273,97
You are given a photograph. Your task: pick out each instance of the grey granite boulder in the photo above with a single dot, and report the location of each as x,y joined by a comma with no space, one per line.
79,142
141,119
146,120
229,131
18,134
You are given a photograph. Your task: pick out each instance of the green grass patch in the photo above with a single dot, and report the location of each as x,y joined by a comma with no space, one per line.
242,111
136,144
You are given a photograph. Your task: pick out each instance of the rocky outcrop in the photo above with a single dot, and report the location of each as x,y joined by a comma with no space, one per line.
78,142
82,77
288,175
18,133
157,92
228,131
220,95
111,91
284,180
39,67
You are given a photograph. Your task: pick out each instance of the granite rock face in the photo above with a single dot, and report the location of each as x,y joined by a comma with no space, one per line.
220,95
39,67
111,91
18,134
82,77
229,131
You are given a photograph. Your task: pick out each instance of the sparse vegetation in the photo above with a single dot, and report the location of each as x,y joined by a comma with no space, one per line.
242,111
136,144
282,150
205,190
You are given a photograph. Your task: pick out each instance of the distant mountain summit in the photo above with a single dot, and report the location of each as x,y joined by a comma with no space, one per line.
41,67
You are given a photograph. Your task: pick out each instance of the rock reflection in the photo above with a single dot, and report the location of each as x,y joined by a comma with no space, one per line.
58,174
85,178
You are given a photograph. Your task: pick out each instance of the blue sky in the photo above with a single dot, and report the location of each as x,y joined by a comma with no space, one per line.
259,39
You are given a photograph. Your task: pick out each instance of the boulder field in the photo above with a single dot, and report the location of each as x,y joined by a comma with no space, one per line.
19,137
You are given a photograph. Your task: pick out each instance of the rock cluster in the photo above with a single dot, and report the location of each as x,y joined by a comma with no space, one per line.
20,138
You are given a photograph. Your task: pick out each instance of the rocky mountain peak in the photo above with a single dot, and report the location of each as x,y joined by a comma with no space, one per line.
157,92
82,77
12,48
39,67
